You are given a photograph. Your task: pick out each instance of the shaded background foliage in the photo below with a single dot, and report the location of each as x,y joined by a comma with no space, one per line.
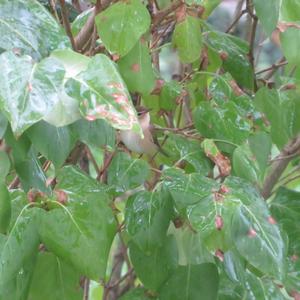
82,217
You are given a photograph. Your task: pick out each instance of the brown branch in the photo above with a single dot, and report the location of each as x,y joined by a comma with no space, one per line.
279,166
241,13
274,67
65,18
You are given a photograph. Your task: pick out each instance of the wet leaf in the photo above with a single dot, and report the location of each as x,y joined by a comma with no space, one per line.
121,25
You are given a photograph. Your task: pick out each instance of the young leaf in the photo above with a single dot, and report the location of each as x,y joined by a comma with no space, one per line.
122,24
187,38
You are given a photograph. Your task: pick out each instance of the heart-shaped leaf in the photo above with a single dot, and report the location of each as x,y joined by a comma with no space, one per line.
102,94
81,232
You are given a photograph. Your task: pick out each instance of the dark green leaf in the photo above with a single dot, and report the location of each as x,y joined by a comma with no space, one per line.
290,44
125,173
236,59
137,294
221,122
122,24
28,26
53,279
189,282
4,165
154,268
136,69
188,189
30,90
55,143
96,133
147,218
81,232
168,95
187,38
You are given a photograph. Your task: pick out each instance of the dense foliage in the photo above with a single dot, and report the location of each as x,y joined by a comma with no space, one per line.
82,217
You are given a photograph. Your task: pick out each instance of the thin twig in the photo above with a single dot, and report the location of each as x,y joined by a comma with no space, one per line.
236,20
65,18
273,67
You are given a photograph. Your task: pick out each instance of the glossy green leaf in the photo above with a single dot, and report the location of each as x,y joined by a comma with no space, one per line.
102,94
221,122
290,44
28,90
53,279
125,173
189,282
268,8
189,151
290,10
236,61
136,69
4,165
19,248
154,268
81,232
187,38
25,24
188,189
122,24
285,208
147,218
96,133
55,143
252,229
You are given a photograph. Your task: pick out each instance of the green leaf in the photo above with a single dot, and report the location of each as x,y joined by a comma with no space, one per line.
154,268
28,26
252,228
53,279
290,44
80,20
188,189
125,173
81,232
168,95
285,208
189,151
5,208
278,113
222,122
147,218
290,10
137,294
4,165
19,248
28,91
102,94
122,24
187,38
189,282
244,164
136,69
268,8
236,61
97,133
55,143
